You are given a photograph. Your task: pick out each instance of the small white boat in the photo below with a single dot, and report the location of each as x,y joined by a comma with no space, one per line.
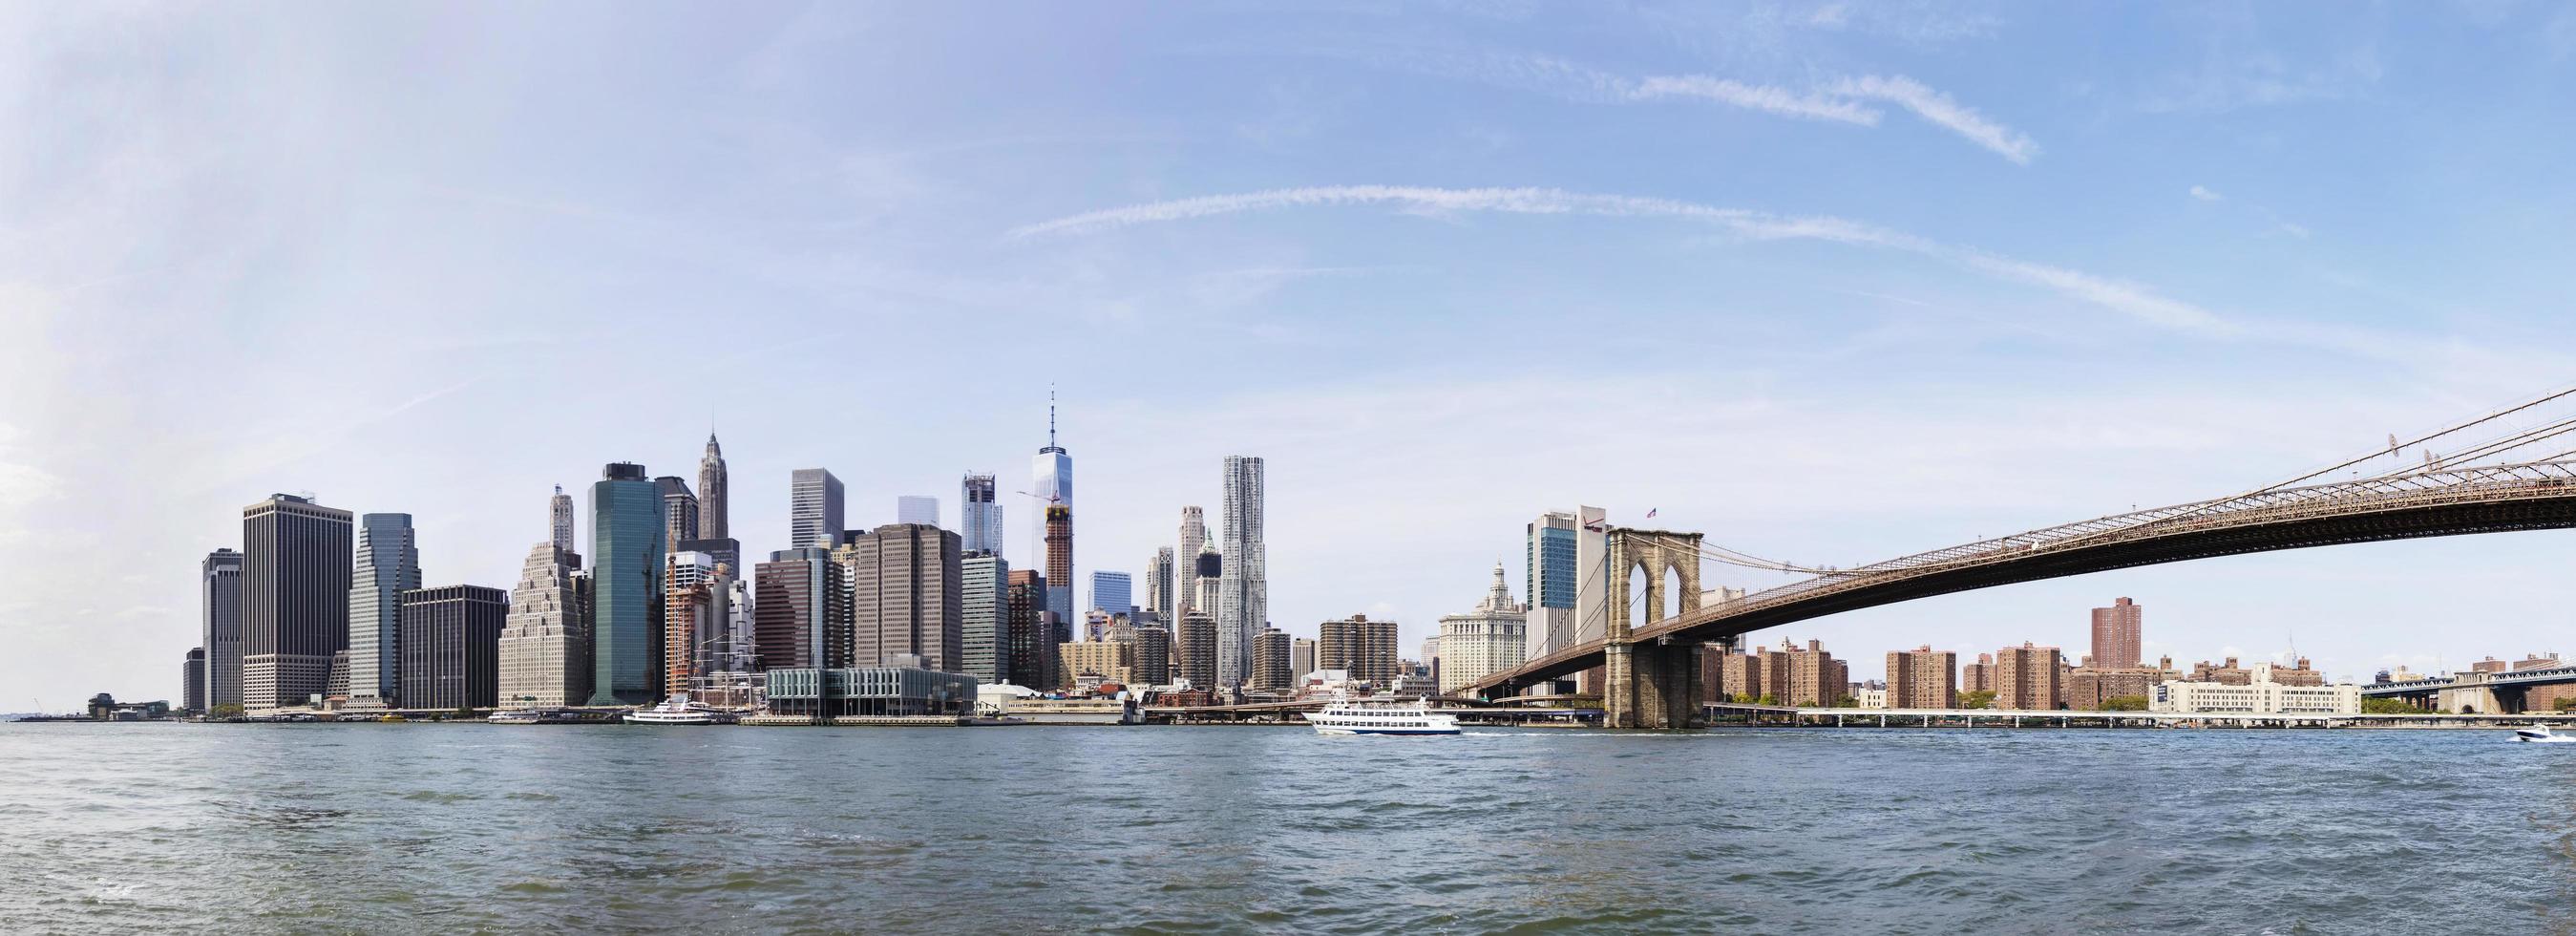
1345,717
525,716
2540,734
678,710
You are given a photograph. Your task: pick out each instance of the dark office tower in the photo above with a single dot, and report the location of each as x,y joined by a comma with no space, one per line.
1158,584
800,610
386,565
219,605
984,617
813,509
626,533
2118,635
906,597
1030,644
979,518
295,599
1059,561
713,516
451,648
192,681
1194,650
679,511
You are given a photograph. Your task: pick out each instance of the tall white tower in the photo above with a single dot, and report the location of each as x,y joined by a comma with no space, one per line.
559,512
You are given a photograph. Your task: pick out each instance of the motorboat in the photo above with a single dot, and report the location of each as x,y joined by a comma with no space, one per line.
1344,716
2540,734
678,710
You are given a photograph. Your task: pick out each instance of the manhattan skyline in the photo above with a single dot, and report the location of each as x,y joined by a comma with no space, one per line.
1829,284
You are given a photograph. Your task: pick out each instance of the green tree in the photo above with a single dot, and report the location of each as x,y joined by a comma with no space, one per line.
1741,698
226,710
2389,707
1847,702
2125,703
1981,698
1767,699
2563,704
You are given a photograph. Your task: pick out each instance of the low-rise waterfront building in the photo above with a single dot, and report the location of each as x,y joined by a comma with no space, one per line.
869,691
2260,694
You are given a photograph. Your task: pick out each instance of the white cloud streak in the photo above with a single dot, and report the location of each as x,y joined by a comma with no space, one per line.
2206,195
2128,299
1844,100
1942,110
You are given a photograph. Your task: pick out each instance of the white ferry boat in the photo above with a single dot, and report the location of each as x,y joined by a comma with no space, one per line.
1346,717
524,716
678,710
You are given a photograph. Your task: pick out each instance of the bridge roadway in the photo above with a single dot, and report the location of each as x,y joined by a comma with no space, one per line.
2447,502
2530,677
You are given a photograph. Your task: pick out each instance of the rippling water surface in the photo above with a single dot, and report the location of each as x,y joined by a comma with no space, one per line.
430,828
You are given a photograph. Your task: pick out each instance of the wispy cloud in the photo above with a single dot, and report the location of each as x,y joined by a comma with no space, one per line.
1941,109
2129,299
2206,195
1841,100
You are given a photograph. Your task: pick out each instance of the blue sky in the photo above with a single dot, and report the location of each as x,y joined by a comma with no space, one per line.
1829,282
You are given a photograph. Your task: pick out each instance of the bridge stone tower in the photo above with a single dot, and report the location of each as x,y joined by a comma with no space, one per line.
1653,684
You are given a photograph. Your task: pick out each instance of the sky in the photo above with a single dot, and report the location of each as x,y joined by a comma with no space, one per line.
1828,282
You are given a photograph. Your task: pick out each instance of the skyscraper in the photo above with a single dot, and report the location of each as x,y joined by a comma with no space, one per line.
626,533
714,516
1185,587
452,646
1366,648
2118,635
1059,561
906,597
979,518
192,681
1158,584
1243,593
1271,662
917,509
1488,640
1550,583
697,600
1030,640
544,648
1210,570
813,509
679,511
1301,656
800,610
386,566
1113,592
219,605
1053,480
295,599
983,612
559,514
1194,650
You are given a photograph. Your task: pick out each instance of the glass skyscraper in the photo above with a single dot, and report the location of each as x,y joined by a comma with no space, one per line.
813,509
979,518
626,533
1052,475
920,509
1113,592
387,564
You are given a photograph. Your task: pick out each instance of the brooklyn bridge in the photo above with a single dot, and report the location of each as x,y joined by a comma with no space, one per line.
1649,658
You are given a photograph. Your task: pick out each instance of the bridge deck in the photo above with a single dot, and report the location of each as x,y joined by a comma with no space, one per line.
2447,502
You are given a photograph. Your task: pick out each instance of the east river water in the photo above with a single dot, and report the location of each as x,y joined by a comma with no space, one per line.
447,829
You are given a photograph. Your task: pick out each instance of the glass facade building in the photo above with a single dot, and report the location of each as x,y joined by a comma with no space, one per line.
1113,592
626,533
387,564
869,691
984,609
979,518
